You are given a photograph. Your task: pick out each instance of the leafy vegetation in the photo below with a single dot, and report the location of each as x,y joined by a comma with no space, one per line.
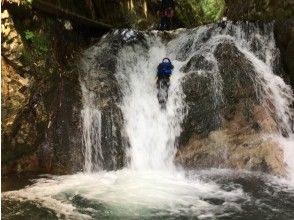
29,1
37,40
29,35
198,12
213,9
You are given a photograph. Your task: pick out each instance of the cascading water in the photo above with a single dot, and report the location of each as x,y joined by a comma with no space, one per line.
150,185
152,132
91,132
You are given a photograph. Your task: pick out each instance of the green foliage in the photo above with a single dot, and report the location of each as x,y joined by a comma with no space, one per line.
213,9
29,35
197,12
29,1
41,43
38,41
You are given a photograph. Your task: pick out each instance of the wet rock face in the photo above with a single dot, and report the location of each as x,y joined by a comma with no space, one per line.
206,105
41,96
60,151
101,91
237,73
226,121
224,149
202,117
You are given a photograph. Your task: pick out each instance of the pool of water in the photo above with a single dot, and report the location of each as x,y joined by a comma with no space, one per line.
125,194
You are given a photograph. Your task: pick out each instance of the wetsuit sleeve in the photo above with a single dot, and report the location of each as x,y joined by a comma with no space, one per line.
159,68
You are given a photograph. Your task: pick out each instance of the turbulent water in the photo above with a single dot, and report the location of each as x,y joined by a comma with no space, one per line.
151,186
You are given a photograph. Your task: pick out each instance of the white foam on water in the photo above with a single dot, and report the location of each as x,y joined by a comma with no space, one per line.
130,193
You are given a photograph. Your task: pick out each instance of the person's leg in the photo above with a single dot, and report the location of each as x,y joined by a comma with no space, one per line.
162,23
165,19
167,84
168,23
168,81
161,89
159,78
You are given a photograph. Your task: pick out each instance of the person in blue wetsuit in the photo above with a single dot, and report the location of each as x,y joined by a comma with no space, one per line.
164,71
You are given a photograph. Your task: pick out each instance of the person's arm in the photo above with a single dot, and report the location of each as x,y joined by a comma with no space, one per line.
159,69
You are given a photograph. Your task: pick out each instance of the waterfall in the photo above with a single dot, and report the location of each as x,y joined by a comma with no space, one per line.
130,142
150,135
152,131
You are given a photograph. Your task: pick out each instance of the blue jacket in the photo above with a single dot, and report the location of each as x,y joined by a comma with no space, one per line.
165,68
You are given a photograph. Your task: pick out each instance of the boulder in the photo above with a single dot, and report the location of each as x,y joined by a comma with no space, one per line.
228,128
224,149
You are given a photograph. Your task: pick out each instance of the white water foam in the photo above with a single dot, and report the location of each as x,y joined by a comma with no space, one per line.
128,193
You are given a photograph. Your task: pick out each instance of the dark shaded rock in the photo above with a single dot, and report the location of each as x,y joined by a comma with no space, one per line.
61,151
202,117
263,10
284,33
